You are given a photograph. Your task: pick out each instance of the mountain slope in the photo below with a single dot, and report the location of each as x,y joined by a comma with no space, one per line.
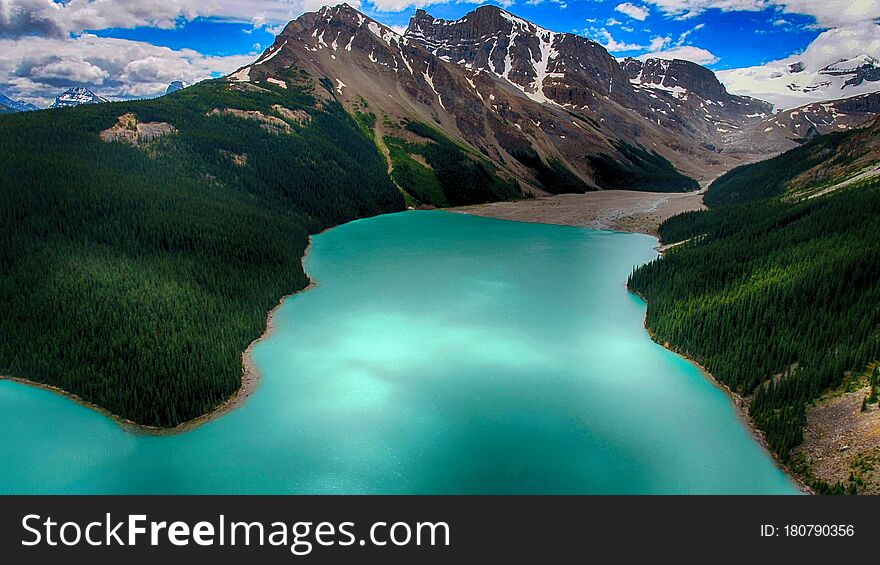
787,129
572,72
145,241
695,99
810,77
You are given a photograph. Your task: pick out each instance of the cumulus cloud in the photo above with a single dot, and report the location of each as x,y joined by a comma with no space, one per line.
635,12
38,68
49,18
771,81
602,36
659,42
827,13
687,52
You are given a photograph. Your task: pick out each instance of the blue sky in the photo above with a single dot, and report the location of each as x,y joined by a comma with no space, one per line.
763,36
134,48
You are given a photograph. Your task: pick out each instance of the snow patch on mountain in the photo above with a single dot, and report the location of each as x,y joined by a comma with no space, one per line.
838,64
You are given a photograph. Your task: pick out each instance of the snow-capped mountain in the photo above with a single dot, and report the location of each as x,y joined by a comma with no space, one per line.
544,65
175,86
694,96
77,96
8,105
791,83
524,97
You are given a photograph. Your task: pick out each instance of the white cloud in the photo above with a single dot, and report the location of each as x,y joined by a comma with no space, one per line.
633,11
612,22
39,68
683,37
658,42
49,18
771,81
604,37
687,52
828,13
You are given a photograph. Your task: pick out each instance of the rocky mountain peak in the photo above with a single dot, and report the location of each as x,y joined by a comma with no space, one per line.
544,65
76,96
676,75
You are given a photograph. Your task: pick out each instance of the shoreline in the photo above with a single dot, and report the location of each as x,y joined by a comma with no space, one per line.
740,406
250,380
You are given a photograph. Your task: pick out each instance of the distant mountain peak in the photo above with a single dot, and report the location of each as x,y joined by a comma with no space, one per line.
77,96
9,105
176,85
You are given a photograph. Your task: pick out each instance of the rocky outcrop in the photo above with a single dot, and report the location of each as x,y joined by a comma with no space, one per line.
128,129
271,124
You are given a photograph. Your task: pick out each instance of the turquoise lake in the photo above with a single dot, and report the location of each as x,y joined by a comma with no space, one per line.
439,353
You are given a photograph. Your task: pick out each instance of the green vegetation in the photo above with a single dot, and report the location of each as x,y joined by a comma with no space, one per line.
641,170
554,177
777,299
440,172
135,276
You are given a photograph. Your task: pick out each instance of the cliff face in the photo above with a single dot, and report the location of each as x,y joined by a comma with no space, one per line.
545,65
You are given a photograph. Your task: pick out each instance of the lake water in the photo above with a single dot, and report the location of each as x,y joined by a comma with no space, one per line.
439,353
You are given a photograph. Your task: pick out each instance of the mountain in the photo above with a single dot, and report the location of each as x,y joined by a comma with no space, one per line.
544,147
8,105
694,94
795,82
774,291
581,76
76,96
787,129
200,204
174,86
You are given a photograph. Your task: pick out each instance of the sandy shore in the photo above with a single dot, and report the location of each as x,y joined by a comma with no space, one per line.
250,380
620,210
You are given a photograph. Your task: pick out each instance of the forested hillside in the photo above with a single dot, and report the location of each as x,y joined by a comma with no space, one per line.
137,269
776,298
448,174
